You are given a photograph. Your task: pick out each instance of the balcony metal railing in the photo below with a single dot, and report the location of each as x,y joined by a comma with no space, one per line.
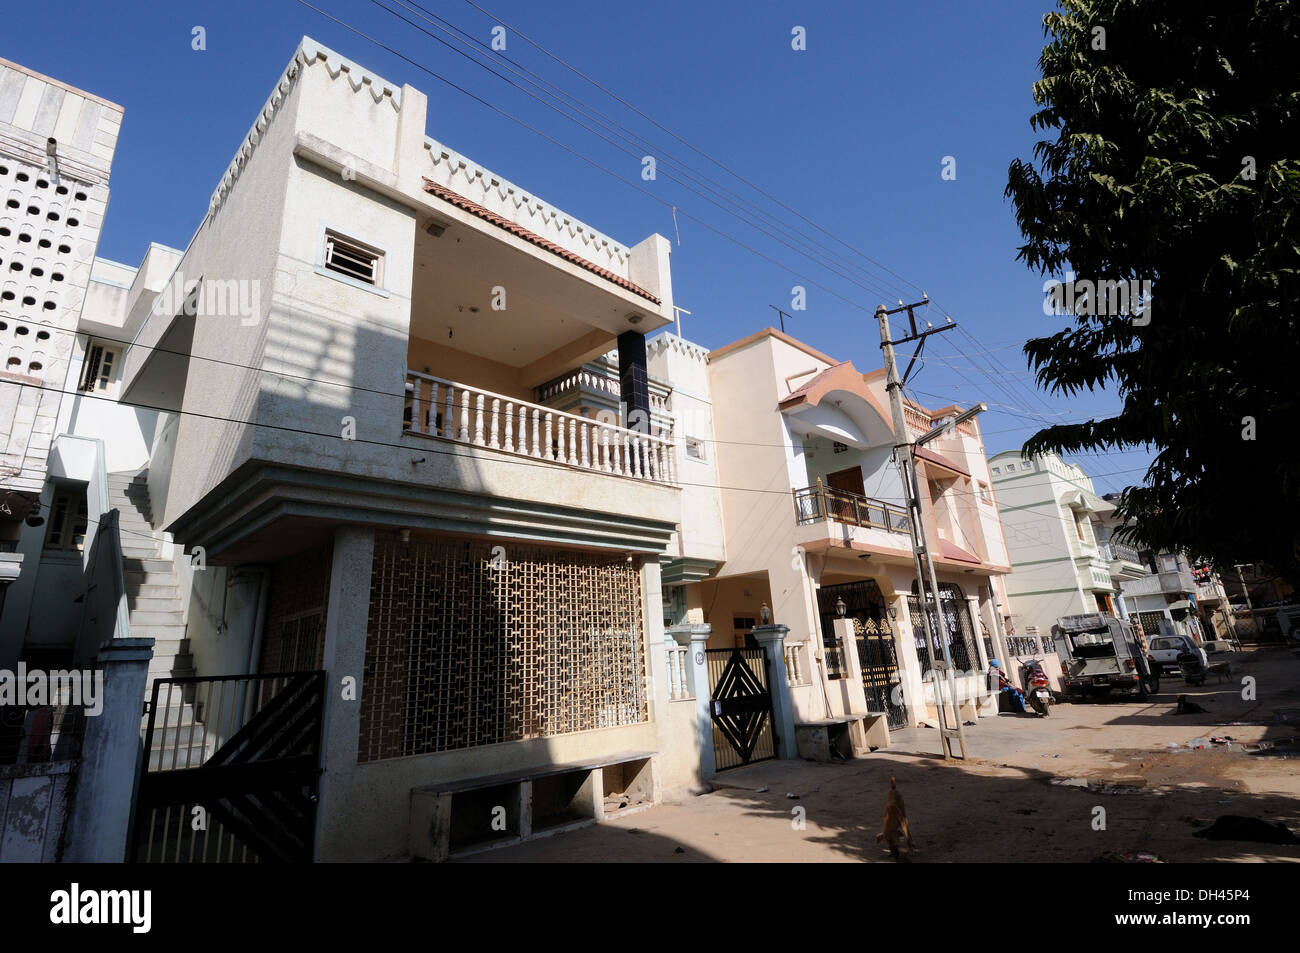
441,408
815,503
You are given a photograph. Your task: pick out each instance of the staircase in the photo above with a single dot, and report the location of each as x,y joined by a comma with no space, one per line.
154,604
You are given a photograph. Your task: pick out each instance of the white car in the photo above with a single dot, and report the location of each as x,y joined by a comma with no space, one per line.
1165,650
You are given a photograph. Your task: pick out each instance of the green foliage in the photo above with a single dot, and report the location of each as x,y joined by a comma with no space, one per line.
1147,178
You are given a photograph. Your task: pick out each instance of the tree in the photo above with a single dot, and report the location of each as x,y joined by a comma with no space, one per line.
1175,161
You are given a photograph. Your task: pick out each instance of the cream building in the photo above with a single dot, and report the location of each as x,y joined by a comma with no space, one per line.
813,512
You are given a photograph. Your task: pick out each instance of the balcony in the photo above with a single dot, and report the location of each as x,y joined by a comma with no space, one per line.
1165,583
816,503
449,410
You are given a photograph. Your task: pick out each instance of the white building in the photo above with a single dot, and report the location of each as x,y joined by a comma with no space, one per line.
56,154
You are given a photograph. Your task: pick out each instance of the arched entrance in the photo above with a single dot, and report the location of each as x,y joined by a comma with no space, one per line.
957,621
873,637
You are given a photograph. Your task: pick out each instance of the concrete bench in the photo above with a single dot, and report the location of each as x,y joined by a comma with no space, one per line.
471,814
841,735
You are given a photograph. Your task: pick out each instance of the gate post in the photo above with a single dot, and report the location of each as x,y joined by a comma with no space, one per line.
772,639
698,635
100,819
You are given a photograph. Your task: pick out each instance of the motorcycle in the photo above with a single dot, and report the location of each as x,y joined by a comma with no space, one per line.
1038,690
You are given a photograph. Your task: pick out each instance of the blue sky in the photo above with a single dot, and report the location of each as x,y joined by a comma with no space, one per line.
851,132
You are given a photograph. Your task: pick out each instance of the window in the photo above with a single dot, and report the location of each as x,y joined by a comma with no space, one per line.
997,470
1078,526
67,527
983,490
349,257
837,447
695,448
101,365
1011,468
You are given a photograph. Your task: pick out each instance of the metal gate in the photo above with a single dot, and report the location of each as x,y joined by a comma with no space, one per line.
740,701
957,620
231,770
874,637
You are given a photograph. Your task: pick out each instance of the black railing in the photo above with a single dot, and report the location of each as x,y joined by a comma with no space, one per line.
816,503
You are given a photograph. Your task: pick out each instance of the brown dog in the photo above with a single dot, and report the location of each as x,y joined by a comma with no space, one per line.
895,826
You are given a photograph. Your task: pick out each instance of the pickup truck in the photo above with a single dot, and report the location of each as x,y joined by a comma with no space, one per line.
1100,654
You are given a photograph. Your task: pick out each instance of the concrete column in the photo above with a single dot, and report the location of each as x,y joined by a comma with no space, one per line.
855,696
99,821
658,699
772,639
698,635
344,658
909,665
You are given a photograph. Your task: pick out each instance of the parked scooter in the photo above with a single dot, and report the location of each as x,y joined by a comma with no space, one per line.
1038,690
1189,663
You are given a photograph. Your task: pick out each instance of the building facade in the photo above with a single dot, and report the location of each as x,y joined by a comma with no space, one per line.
56,154
815,521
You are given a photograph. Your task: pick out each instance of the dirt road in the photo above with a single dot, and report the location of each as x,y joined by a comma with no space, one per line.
1030,791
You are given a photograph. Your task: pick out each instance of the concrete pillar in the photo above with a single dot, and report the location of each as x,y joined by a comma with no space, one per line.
697,636
772,639
652,622
909,665
344,657
851,684
99,821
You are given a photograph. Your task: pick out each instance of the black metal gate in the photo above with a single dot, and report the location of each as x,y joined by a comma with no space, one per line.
740,701
231,768
957,620
874,637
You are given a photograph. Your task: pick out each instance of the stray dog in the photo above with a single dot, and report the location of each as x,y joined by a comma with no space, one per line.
895,826
1186,707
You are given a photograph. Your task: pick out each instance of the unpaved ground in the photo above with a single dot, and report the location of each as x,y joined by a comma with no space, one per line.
1000,805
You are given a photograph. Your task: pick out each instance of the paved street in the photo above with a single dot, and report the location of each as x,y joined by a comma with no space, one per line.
1002,804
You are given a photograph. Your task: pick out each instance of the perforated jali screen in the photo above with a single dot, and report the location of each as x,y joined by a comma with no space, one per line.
475,643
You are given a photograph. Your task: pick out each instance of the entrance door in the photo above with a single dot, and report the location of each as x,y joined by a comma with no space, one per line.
740,702
850,480
873,636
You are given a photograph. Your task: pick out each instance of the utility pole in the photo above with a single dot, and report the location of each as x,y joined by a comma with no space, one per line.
1254,624
950,735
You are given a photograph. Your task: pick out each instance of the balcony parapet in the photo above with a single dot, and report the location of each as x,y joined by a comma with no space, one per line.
449,410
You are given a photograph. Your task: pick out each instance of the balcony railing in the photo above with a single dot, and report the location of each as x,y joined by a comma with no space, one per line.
815,503
441,408
1119,551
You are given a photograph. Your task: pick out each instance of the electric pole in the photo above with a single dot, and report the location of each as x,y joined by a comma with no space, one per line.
1250,610
904,451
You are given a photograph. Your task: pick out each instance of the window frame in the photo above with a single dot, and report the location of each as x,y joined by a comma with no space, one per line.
100,385
379,286
65,521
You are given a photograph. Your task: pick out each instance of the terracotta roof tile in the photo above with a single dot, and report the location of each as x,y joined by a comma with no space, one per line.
455,198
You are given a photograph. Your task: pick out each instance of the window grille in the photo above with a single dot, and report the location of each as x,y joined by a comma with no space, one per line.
464,649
